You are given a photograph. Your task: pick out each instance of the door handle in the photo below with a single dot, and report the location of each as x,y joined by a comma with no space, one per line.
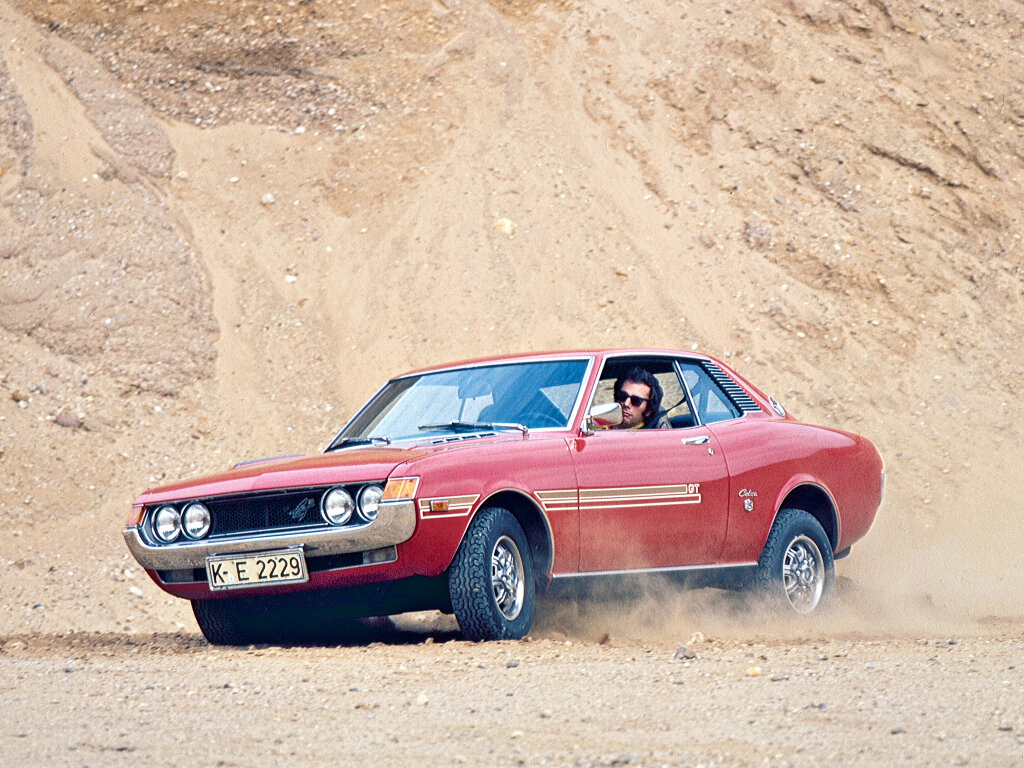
700,440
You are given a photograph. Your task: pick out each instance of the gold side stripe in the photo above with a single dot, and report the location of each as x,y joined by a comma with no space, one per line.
458,506
569,493
660,490
639,497
640,504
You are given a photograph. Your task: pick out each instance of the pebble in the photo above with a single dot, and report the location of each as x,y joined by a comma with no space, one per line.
69,420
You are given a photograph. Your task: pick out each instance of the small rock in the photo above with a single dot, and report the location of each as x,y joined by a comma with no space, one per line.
506,226
422,699
757,235
268,199
605,639
682,652
429,641
69,420
897,730
512,664
696,637
135,590
754,672
624,759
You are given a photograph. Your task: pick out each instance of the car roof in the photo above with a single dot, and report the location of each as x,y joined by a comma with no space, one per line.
556,355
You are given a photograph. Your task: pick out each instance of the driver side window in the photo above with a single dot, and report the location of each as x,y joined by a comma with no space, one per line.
671,407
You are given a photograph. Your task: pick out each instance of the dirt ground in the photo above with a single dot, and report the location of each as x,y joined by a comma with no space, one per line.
224,224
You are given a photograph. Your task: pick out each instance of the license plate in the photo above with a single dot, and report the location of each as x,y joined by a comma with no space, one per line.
286,566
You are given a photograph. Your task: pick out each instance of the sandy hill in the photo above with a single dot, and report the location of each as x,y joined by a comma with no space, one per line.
224,224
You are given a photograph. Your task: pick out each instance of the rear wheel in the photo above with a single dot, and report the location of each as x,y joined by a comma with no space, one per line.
796,570
491,580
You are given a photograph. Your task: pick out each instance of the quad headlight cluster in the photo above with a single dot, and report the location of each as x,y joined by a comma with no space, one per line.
355,504
338,505
193,521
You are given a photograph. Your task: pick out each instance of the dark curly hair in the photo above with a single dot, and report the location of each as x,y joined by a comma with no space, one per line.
643,376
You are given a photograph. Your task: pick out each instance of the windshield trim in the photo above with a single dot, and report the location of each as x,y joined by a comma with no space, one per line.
584,388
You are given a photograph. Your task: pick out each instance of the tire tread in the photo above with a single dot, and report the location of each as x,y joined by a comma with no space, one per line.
469,578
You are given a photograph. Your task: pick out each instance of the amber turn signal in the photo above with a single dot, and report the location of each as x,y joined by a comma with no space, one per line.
400,488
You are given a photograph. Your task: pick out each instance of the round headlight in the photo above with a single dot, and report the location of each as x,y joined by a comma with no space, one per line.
369,501
196,521
167,524
337,506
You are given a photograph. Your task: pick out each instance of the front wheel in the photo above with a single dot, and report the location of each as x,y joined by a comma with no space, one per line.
232,621
491,580
796,570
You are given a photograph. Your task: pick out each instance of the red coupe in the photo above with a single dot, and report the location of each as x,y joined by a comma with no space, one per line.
472,488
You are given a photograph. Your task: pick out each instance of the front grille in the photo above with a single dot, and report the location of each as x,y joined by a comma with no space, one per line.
268,511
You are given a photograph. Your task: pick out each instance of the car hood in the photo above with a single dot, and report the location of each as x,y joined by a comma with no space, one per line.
348,465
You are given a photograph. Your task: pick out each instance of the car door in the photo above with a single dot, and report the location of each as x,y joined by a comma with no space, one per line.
650,498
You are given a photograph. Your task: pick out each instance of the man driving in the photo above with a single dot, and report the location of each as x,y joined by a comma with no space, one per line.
639,394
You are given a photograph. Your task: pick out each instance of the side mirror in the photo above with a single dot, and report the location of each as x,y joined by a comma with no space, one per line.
604,415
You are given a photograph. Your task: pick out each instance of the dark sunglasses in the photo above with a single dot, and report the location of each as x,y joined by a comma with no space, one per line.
635,400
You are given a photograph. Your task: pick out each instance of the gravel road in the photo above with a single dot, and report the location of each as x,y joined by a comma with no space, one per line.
424,697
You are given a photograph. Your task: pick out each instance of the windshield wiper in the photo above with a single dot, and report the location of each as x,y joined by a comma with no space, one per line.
342,442
460,426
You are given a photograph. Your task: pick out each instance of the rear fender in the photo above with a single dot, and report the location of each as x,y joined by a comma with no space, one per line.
806,493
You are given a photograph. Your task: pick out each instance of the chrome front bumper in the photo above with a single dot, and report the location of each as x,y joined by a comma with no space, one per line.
395,523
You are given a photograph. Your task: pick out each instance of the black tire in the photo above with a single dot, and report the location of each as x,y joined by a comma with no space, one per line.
232,622
491,580
295,619
796,570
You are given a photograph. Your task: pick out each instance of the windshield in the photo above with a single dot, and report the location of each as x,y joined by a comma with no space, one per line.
534,395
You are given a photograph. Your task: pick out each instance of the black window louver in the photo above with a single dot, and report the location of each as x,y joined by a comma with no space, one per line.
734,391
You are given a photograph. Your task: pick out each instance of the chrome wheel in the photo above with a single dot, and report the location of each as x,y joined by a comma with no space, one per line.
507,577
803,574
